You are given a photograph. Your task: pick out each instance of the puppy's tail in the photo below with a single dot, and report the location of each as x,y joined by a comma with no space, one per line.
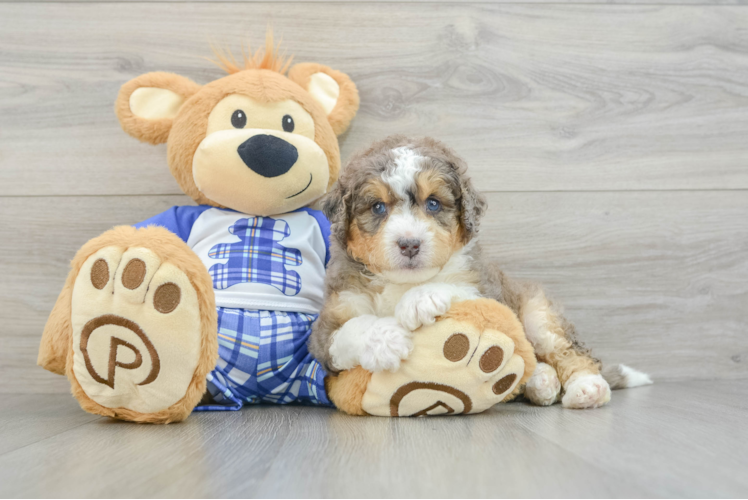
625,377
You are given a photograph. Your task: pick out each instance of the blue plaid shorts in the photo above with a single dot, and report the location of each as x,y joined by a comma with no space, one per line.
263,358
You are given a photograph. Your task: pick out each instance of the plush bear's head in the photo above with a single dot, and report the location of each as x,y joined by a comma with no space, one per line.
256,141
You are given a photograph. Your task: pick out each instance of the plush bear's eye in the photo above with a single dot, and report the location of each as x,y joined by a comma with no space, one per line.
238,119
288,124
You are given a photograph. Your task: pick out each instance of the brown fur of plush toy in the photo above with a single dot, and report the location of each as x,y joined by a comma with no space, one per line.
347,390
197,123
56,353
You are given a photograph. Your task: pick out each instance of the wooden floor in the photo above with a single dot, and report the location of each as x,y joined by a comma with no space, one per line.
670,439
610,138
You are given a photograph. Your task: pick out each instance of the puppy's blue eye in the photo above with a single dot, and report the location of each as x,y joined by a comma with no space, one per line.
379,208
433,205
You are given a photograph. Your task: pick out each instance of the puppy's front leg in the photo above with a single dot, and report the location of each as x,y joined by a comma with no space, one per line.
422,304
376,344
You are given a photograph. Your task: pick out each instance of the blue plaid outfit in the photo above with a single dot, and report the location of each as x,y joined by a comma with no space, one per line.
263,358
257,257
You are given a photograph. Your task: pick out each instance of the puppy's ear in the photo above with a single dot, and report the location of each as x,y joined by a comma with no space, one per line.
334,90
472,208
335,206
472,203
147,105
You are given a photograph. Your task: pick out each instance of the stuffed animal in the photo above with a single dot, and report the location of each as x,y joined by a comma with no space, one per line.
209,307
219,296
470,359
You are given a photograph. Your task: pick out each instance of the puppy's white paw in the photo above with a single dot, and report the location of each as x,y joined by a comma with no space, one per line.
421,305
586,391
386,343
543,387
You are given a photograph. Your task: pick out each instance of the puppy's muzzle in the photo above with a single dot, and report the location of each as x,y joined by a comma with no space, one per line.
267,155
409,247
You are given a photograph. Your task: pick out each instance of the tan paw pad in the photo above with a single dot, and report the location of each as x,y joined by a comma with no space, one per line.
136,330
454,368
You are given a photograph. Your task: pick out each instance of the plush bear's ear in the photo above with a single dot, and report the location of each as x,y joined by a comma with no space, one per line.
146,105
334,90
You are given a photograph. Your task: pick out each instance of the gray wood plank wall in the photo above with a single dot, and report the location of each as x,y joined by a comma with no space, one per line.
611,140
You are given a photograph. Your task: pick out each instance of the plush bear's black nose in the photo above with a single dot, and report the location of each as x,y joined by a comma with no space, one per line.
268,155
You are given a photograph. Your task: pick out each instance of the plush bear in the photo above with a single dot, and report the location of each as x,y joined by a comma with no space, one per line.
219,296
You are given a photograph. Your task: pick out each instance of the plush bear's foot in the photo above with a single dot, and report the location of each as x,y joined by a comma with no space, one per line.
139,347
472,358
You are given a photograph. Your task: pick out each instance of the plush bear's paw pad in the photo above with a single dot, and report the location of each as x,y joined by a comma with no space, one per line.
543,387
586,391
453,369
136,330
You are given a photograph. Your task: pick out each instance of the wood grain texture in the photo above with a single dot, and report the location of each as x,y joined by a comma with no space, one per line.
25,419
657,280
678,420
199,458
442,457
666,440
536,2
564,97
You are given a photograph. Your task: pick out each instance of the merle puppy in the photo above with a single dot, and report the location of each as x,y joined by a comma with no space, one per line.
404,246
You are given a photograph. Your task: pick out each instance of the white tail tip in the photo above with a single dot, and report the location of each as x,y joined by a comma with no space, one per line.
624,377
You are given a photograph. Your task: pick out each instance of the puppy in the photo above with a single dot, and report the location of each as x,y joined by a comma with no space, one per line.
404,246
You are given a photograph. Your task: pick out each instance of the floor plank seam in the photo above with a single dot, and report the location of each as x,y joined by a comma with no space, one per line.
486,191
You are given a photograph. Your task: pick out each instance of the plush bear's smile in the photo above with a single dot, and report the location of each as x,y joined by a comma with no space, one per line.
311,178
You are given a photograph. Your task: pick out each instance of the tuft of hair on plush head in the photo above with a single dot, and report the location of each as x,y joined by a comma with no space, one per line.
268,57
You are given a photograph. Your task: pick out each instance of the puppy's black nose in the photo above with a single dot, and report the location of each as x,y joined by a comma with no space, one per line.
268,155
409,247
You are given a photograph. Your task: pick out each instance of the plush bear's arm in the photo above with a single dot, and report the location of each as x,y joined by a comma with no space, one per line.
178,220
